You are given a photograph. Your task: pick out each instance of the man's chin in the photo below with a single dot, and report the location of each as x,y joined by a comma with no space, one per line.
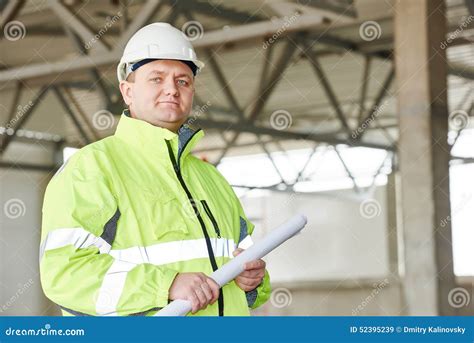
174,119
169,117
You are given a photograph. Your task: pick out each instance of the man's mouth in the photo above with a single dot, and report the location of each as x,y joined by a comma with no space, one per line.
169,102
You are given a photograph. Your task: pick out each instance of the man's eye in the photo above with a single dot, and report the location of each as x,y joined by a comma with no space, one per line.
156,79
182,82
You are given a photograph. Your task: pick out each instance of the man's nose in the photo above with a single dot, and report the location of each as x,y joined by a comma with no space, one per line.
170,88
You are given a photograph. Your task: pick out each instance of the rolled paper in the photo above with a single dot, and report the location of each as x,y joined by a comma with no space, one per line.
233,268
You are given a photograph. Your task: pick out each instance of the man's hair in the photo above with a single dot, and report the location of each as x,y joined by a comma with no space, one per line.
131,77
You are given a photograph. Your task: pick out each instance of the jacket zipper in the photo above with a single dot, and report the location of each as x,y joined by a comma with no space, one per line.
212,259
211,217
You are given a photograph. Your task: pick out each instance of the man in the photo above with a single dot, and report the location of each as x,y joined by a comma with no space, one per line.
134,221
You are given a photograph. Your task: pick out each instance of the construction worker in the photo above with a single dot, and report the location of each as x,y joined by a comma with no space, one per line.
134,221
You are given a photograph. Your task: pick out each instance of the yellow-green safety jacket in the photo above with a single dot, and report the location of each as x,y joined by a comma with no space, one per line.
125,214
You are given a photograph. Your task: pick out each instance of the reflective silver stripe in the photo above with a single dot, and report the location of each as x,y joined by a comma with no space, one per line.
78,237
163,253
126,259
157,254
112,287
246,243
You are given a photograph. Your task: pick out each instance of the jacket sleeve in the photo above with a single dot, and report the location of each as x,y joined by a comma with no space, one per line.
80,219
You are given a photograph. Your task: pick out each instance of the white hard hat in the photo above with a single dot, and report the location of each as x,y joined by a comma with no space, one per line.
157,41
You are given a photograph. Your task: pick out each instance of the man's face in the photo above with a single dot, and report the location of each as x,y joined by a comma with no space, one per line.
160,93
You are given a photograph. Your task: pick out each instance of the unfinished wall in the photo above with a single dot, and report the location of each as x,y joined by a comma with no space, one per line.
21,197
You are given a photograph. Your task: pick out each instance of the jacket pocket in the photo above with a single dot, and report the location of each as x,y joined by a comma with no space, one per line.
160,215
168,220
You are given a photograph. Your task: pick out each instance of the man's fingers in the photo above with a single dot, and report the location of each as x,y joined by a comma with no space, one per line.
202,297
211,282
248,287
248,281
256,264
202,277
253,274
194,302
237,251
207,291
214,288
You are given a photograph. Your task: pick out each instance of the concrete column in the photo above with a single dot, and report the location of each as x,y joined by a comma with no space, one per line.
395,244
423,152
393,205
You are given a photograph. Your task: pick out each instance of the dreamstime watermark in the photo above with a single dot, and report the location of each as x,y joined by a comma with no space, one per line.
458,120
103,120
22,289
21,110
370,208
198,111
281,297
193,30
370,31
366,123
108,24
376,290
455,34
46,331
283,206
281,120
287,21
14,208
104,298
14,30
465,199
459,297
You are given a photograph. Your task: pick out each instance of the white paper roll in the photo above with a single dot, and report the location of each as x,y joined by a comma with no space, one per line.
233,268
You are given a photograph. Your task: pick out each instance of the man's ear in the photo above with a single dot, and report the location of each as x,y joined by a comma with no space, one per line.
126,90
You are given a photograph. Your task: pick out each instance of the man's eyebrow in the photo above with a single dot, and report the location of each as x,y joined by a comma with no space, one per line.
184,75
156,72
160,72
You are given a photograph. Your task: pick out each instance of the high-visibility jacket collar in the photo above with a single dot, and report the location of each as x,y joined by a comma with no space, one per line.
151,140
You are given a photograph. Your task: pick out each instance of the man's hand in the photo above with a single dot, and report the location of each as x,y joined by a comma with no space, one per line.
198,288
253,274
